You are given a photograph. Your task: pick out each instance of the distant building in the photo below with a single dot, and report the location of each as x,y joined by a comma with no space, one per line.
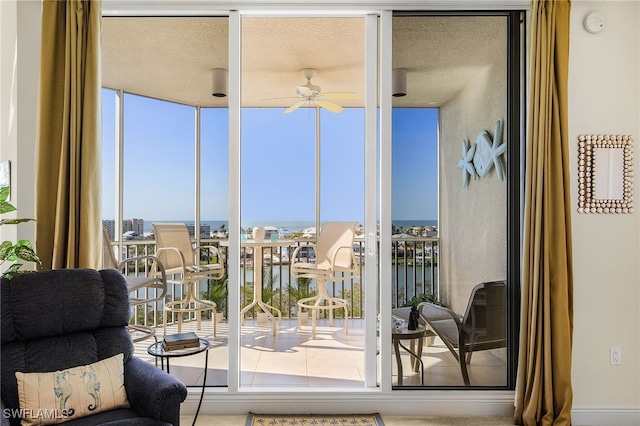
132,228
110,226
134,225
284,233
270,230
309,232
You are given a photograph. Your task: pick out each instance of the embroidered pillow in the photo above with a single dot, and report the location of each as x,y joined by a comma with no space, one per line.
60,396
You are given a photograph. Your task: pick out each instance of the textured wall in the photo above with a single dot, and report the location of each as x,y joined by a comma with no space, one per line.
472,219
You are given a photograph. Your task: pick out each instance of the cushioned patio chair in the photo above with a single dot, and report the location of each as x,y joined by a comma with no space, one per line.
66,352
335,260
482,327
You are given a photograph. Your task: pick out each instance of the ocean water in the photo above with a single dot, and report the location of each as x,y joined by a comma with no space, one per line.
295,225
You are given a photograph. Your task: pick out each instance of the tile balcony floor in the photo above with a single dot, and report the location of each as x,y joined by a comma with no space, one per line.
292,359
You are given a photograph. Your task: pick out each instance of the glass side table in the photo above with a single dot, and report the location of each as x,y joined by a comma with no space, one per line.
158,351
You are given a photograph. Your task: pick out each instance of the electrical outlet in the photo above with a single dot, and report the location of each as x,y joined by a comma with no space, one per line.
616,355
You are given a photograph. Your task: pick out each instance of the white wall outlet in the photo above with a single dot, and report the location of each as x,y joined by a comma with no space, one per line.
616,355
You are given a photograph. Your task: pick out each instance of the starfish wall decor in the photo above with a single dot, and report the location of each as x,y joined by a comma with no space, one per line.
466,163
478,160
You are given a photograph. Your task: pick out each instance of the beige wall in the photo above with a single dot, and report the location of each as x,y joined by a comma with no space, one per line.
604,98
19,65
472,219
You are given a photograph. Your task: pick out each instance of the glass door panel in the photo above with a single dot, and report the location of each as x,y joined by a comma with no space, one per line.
301,165
450,195
165,137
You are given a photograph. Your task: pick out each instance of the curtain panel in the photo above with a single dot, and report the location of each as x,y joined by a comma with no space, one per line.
543,390
68,211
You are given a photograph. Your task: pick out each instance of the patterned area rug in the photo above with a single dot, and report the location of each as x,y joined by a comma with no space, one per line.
314,420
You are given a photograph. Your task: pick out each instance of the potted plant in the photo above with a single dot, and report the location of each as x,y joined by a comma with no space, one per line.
22,249
217,293
269,289
416,300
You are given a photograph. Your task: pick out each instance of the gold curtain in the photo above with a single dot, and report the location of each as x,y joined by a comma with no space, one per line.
68,226
543,391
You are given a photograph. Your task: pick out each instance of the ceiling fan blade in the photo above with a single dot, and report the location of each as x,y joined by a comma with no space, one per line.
304,91
284,97
328,105
340,95
294,107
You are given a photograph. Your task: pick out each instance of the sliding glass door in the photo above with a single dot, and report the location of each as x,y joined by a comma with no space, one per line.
457,128
302,165
407,125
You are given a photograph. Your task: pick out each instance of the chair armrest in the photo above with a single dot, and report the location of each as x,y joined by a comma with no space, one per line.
183,265
294,255
302,268
431,312
152,392
212,249
155,262
157,266
352,268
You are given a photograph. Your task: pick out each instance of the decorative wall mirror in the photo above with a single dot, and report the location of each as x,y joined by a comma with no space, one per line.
605,174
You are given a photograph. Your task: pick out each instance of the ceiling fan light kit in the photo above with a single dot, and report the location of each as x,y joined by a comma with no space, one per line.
399,83
219,82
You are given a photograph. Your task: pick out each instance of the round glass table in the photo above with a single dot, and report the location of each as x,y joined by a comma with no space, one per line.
158,351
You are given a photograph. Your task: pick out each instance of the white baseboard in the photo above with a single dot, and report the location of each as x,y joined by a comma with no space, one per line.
608,416
345,401
398,403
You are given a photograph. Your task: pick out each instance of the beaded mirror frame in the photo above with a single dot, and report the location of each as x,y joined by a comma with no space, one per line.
601,164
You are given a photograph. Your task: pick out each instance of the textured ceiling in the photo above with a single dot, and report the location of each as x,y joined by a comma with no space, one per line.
171,57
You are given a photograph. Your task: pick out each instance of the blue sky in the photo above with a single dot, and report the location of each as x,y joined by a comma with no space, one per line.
278,163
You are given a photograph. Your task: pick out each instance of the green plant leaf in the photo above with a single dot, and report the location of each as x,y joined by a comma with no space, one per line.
20,250
5,247
6,207
14,221
11,271
24,251
4,193
13,268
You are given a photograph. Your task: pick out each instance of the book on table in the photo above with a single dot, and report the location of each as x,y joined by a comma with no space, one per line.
180,341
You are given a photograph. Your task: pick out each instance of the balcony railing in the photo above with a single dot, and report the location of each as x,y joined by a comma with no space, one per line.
415,272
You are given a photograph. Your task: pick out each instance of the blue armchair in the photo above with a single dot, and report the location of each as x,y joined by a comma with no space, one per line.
55,320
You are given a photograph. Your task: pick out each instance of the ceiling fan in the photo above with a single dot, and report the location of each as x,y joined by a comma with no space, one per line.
312,94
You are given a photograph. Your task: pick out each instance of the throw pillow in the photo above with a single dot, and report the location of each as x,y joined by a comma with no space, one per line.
60,396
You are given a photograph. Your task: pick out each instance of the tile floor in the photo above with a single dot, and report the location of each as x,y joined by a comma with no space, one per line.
292,359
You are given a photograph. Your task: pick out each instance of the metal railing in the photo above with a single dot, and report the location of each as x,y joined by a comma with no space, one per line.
415,272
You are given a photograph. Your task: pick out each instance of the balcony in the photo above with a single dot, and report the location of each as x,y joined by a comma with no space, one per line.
415,272
292,358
